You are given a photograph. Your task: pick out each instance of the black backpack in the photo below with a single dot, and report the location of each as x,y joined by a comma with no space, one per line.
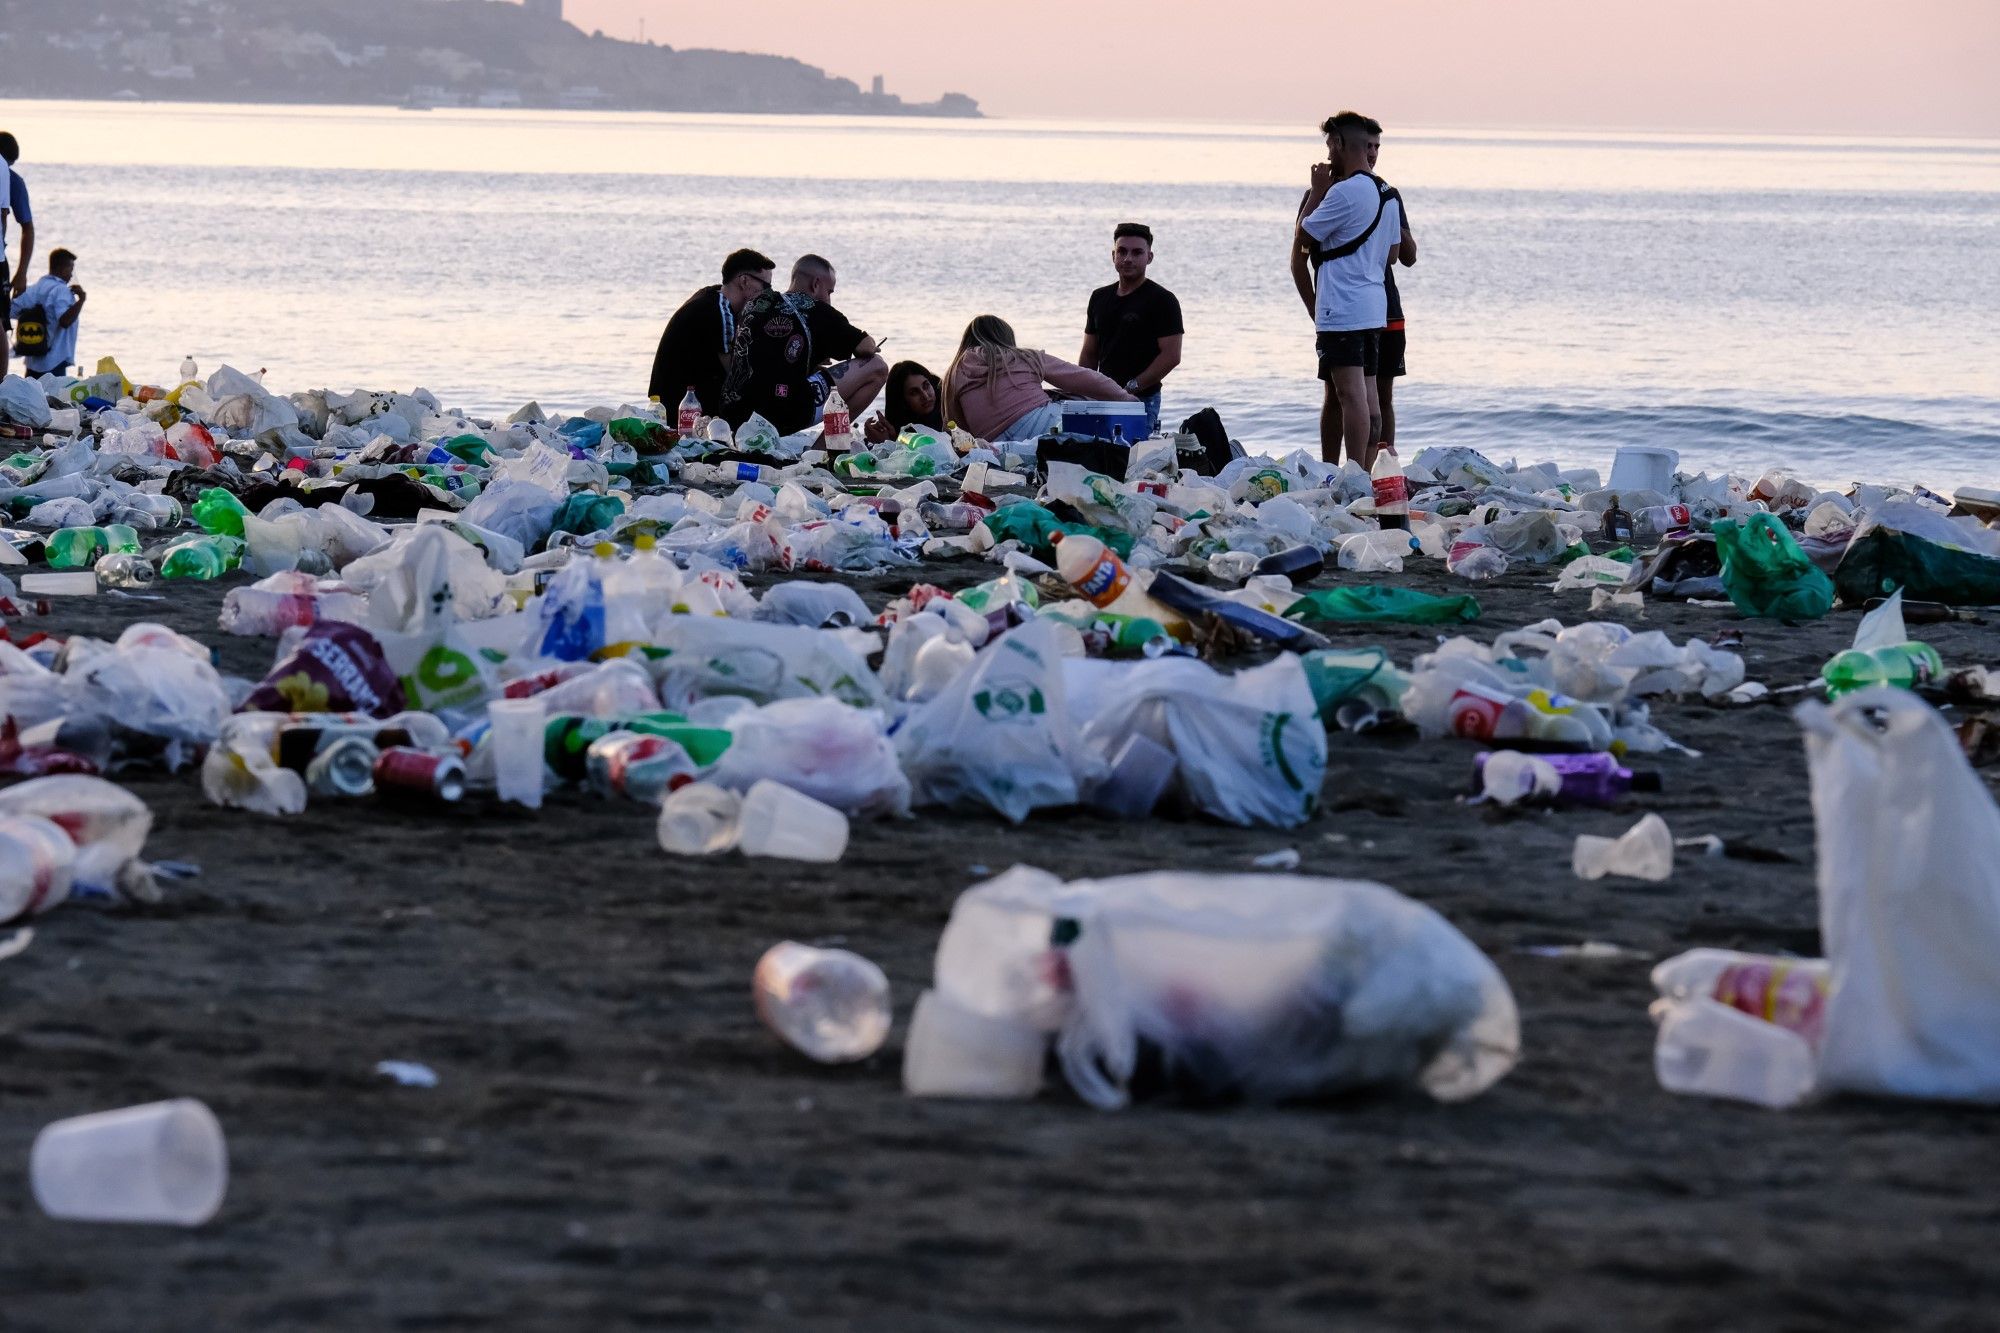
31,333
1384,193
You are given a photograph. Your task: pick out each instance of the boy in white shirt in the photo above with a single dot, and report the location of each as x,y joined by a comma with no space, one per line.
45,318
1349,224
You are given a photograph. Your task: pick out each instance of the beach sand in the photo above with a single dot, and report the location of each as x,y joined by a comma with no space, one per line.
616,1143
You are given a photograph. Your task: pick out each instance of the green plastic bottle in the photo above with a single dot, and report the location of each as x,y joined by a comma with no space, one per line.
1905,665
470,449
201,558
74,548
217,511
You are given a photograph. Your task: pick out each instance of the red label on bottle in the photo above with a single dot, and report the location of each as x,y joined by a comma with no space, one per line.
1392,494
1475,714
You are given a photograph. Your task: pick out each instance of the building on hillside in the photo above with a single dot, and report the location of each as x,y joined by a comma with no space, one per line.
546,9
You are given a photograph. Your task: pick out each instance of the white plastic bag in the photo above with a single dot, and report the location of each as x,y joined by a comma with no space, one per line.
1000,734
713,655
833,753
1250,745
1909,887
23,402
1220,987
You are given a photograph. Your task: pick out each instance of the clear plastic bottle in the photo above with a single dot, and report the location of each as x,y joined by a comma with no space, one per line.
1392,490
189,370
689,414
828,1004
637,767
122,569
836,425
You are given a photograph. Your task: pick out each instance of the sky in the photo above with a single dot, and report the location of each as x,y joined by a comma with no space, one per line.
1918,67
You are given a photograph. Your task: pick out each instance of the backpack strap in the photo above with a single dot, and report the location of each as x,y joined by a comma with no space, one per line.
1385,192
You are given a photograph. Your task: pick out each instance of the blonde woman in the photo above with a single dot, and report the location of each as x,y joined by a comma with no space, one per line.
995,387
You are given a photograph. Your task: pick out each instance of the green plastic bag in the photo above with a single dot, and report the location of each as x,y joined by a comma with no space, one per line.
587,512
1370,604
1767,573
1035,527
1882,560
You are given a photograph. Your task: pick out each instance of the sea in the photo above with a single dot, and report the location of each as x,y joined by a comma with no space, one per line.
1827,305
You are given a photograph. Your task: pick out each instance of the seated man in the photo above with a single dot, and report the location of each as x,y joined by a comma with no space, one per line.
793,349
694,350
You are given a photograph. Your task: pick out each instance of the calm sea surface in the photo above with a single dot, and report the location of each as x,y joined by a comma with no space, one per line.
1830,305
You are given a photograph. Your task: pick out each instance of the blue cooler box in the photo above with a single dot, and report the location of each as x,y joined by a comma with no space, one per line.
1103,421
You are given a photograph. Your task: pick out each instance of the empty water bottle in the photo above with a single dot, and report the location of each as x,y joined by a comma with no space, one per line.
125,570
828,1004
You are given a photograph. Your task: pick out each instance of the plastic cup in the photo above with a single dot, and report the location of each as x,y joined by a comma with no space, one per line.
952,1051
519,769
700,819
791,826
164,1162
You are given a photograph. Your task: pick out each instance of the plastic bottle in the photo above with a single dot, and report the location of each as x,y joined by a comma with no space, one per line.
74,548
1092,568
828,1004
837,424
37,860
219,512
700,819
729,474
189,370
1656,521
637,766
1907,665
1788,992
1476,561
201,558
125,570
1392,490
1586,779
1300,564
690,414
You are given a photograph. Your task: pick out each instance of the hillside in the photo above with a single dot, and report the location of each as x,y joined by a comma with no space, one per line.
418,52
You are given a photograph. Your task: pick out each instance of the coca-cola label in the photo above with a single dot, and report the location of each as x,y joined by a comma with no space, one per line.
1392,493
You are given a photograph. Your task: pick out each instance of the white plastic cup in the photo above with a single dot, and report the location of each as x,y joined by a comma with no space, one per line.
789,825
1140,774
700,819
952,1051
516,735
165,1162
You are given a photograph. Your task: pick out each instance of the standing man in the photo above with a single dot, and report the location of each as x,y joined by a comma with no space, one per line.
51,309
14,202
694,350
1394,341
1132,330
1348,224
793,349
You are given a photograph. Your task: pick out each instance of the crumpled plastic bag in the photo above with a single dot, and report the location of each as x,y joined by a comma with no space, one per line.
336,667
245,407
1368,604
107,823
1215,988
839,756
23,402
713,655
1250,745
1767,574
1000,735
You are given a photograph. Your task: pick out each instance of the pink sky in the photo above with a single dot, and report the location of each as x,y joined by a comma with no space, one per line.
1782,66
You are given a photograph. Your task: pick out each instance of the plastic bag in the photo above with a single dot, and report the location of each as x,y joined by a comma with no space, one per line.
23,402
711,655
1250,745
1767,574
1367,604
815,605
336,668
1000,734
833,753
1262,988
1909,886
107,823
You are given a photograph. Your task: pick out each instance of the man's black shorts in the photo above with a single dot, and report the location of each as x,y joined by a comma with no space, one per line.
1357,347
1393,343
6,299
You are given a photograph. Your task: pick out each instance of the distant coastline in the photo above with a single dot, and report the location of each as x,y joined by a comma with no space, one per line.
417,54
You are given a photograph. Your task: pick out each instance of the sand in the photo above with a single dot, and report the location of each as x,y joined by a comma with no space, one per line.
616,1143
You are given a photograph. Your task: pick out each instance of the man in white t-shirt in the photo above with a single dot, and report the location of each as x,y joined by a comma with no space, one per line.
54,304
1349,224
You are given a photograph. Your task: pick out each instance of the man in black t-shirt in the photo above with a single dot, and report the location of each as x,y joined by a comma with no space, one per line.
793,350
1132,331
694,350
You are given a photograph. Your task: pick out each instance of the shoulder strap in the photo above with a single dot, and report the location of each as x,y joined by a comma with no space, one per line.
1384,193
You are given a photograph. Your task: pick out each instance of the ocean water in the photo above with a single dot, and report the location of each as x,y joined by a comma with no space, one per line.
1829,306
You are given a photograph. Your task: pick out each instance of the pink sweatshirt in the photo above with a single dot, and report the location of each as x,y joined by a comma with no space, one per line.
988,405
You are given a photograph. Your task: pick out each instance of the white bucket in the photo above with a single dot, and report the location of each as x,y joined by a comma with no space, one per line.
1644,467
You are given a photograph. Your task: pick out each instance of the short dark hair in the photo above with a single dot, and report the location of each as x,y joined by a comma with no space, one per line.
10,148
1346,123
812,266
1139,229
57,257
746,261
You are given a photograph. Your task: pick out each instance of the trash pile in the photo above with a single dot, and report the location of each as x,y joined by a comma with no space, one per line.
651,610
